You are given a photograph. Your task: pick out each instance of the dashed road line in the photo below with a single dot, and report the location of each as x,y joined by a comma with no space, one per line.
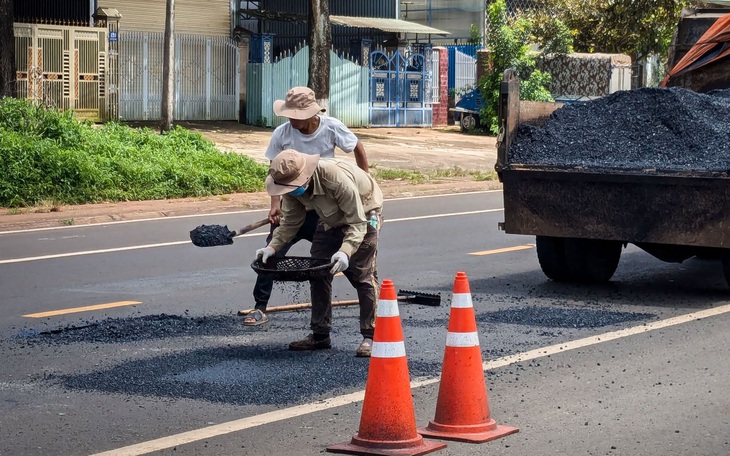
108,305
504,250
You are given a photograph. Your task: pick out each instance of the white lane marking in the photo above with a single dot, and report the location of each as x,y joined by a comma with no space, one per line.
451,214
215,214
305,409
167,244
121,222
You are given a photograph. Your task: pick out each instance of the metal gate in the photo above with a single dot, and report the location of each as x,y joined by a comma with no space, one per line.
206,76
63,67
400,90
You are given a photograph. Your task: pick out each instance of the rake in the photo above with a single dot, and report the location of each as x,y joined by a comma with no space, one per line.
415,297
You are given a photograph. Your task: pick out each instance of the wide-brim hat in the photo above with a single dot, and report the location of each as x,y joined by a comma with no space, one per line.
300,104
288,170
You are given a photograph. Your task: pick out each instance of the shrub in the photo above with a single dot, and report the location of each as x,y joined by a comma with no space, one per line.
49,155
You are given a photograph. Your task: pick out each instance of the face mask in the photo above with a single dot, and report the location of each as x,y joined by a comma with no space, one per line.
299,191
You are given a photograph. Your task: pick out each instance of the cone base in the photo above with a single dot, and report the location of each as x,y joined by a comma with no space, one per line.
462,434
414,447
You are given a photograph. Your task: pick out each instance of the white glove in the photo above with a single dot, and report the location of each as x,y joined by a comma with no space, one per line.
341,262
265,253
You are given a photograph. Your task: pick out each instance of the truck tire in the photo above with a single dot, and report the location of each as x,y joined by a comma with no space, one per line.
592,260
551,255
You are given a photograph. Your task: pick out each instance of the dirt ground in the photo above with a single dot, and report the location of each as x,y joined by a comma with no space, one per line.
418,149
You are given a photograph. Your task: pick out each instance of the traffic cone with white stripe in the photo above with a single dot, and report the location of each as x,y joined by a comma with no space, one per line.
462,407
388,420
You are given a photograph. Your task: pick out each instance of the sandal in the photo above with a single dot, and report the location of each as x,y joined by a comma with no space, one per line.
255,318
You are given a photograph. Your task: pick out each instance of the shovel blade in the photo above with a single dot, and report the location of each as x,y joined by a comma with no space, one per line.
212,235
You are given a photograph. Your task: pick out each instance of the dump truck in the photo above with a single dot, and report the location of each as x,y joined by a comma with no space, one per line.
582,216
710,72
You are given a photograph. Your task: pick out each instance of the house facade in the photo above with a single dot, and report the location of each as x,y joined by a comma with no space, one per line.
109,70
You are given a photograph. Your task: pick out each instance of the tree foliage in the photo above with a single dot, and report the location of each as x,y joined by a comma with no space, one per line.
508,43
7,50
634,27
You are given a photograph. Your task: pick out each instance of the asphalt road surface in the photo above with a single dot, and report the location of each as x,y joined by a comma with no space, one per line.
123,339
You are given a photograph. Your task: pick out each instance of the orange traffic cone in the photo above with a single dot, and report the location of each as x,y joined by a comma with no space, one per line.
388,420
462,407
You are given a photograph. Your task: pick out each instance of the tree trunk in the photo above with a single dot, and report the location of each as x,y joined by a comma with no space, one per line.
7,50
320,42
168,69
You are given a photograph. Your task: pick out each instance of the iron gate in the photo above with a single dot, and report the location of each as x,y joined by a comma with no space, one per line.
400,90
63,67
206,76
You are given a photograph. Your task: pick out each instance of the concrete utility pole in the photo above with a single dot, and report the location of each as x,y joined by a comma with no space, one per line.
7,50
320,42
168,69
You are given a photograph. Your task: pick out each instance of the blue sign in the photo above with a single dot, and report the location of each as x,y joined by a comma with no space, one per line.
112,36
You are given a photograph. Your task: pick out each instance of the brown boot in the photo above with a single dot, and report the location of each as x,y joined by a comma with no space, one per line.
311,343
365,348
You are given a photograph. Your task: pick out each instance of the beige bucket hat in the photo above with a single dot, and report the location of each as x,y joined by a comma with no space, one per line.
300,104
289,170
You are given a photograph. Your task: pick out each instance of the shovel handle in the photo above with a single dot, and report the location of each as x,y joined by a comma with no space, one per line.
307,305
252,226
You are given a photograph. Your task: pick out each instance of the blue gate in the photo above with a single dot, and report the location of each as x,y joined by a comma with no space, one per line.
400,90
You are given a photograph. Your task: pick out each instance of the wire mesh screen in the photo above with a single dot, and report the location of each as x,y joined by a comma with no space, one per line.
513,6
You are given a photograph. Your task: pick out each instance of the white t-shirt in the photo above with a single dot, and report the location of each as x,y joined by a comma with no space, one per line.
330,133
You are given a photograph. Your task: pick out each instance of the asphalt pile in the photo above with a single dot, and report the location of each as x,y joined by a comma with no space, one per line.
555,317
647,129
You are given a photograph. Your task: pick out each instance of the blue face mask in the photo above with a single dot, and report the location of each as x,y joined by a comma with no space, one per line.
299,191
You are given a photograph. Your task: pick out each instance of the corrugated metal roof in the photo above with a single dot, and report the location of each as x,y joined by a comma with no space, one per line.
387,25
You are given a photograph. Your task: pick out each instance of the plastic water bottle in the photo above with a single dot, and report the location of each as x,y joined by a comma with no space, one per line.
373,220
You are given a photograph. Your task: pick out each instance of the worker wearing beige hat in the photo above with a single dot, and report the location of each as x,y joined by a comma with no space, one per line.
310,133
349,204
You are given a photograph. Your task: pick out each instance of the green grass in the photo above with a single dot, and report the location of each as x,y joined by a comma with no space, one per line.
418,177
49,159
47,155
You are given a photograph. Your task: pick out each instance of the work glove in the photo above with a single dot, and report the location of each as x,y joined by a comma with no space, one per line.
265,253
341,262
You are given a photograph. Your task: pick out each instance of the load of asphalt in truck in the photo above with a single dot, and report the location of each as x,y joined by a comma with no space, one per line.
654,129
648,167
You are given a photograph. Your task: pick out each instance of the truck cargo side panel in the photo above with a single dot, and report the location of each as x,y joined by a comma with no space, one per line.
693,211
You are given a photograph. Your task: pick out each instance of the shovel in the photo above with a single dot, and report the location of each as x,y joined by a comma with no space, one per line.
426,299
214,235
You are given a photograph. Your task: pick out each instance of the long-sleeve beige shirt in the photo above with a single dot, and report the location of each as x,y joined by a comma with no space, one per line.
342,195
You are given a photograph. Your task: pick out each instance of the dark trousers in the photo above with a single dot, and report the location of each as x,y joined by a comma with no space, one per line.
264,283
362,274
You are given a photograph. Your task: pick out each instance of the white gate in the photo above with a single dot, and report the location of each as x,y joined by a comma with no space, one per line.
206,77
465,74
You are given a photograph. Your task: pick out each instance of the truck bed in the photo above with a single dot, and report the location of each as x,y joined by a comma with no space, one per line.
628,204
679,209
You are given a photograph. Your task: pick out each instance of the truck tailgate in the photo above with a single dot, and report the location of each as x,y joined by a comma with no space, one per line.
663,209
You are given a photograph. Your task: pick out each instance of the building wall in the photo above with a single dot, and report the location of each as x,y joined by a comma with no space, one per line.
455,16
204,17
290,35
